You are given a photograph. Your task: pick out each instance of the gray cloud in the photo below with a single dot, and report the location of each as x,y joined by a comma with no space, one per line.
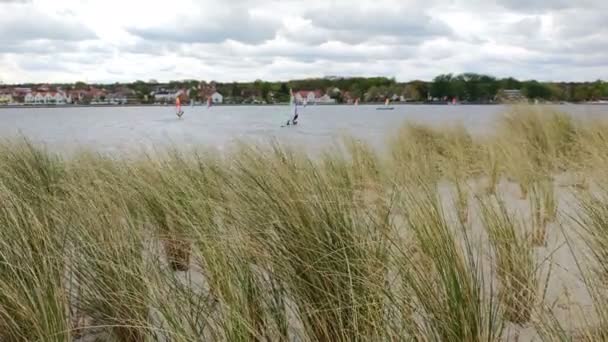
25,24
239,25
543,5
402,24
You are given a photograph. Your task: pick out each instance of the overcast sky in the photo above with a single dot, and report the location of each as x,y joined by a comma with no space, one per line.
242,40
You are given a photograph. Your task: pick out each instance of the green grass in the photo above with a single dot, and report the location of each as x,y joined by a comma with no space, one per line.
267,243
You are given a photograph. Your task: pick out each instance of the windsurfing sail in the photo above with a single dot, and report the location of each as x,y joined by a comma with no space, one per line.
209,102
357,102
178,107
386,105
293,115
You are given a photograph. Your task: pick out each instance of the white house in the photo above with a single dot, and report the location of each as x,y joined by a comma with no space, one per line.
307,96
117,98
217,98
50,97
29,98
164,96
39,98
325,99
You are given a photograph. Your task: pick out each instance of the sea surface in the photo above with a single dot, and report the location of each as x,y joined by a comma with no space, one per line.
123,129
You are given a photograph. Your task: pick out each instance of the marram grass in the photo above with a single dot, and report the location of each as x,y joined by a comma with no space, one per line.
431,241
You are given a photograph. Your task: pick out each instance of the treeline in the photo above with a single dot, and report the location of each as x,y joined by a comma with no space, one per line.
484,88
467,87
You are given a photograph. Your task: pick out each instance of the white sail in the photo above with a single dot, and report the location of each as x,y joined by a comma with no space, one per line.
293,109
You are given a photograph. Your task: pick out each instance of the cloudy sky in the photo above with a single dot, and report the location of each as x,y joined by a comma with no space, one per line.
240,40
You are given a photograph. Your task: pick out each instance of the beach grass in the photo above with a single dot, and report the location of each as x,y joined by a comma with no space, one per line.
443,238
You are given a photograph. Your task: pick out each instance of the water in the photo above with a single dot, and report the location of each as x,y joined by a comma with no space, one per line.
113,129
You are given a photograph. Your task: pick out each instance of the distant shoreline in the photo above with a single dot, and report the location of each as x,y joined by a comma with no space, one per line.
277,104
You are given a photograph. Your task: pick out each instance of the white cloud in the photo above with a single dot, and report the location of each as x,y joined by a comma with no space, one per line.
117,40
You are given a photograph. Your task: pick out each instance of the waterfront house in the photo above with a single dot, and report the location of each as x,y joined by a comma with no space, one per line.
96,96
348,98
325,99
217,98
164,96
511,95
47,97
307,96
19,94
6,97
117,98
29,98
77,96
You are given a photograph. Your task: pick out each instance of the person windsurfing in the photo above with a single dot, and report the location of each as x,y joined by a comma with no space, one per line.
292,99
178,107
294,120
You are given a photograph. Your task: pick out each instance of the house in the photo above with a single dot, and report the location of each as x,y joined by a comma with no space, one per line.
48,97
307,96
511,95
164,96
96,95
77,96
117,98
6,97
19,94
123,95
29,98
217,98
325,99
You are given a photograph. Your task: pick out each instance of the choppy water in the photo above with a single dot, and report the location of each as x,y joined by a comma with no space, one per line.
112,129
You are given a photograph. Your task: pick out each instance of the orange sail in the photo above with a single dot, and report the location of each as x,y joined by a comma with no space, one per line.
178,104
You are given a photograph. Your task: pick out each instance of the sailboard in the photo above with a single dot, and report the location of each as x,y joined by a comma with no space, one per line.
386,105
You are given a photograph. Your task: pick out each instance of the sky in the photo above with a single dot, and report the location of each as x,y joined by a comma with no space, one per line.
243,40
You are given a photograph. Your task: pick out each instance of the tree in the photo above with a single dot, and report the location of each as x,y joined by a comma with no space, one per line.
193,94
441,86
81,85
411,92
536,90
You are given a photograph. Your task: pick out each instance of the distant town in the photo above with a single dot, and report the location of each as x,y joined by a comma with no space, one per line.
465,88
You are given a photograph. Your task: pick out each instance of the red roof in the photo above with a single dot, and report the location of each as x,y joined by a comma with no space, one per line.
304,93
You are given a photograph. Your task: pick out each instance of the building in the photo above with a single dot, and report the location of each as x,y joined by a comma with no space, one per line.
117,98
164,96
217,98
325,99
47,98
77,96
307,96
511,95
348,97
6,98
